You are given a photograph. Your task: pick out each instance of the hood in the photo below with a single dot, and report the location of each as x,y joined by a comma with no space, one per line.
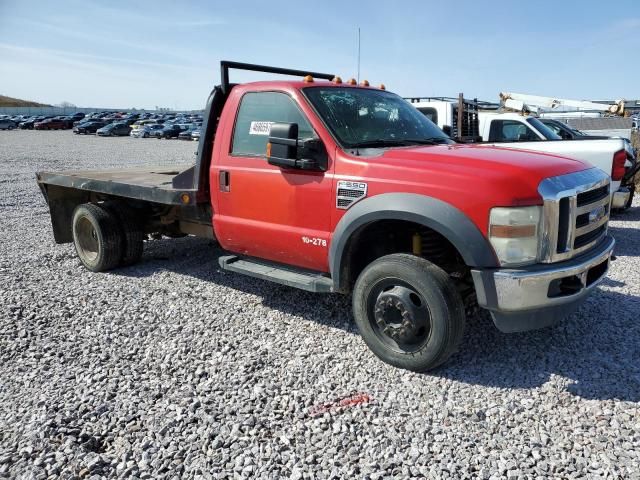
473,178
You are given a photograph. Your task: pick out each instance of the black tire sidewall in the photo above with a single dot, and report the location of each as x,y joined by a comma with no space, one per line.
630,200
79,214
430,282
107,235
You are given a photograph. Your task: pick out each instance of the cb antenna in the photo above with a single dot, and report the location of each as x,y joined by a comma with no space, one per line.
358,54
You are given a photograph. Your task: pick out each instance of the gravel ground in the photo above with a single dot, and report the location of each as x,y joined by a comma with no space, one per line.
174,369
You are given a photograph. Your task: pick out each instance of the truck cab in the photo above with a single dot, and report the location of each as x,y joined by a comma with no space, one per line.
502,127
333,186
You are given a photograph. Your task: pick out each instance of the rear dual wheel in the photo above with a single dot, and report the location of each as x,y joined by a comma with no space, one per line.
408,312
132,244
106,236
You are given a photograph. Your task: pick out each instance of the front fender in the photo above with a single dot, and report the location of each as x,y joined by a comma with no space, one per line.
430,212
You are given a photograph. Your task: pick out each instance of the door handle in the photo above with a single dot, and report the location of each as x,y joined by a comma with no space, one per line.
223,179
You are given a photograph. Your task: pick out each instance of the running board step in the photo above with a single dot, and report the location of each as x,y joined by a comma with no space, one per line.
312,282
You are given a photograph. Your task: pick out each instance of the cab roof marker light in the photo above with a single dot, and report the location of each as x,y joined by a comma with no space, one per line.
382,87
308,79
337,80
352,81
364,83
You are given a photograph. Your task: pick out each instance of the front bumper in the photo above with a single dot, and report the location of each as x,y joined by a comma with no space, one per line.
543,294
620,198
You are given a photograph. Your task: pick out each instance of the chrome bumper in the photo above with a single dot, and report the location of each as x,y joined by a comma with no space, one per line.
620,198
541,295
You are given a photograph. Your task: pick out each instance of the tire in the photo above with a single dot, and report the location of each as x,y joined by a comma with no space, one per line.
132,234
632,190
97,237
408,312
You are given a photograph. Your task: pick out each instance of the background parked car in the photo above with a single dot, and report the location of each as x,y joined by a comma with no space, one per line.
146,131
169,131
118,129
91,126
7,124
175,123
30,122
186,133
50,124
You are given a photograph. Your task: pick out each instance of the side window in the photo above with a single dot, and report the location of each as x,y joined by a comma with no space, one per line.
510,131
554,128
258,110
429,112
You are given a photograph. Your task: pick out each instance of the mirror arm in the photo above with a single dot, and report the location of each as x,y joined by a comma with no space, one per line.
292,142
287,163
305,164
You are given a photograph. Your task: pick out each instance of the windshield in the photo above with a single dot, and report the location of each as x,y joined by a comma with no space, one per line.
360,117
543,129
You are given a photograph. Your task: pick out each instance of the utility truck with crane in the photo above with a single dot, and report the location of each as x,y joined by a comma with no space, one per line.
499,125
331,186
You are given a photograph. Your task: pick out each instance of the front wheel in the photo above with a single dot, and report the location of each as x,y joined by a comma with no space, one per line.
408,312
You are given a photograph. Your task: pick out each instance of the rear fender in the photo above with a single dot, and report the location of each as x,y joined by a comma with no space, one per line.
62,202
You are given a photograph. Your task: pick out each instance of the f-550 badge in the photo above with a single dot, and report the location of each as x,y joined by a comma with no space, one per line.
349,192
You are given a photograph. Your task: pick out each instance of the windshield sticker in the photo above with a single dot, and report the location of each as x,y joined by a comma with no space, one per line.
260,128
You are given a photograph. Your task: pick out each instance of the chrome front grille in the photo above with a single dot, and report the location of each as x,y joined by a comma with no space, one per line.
575,213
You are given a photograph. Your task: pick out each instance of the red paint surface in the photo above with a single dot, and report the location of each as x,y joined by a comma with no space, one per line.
340,403
268,210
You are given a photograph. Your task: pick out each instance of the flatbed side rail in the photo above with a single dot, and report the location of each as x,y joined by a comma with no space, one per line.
165,196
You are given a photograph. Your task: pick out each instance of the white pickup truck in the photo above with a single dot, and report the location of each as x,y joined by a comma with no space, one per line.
514,130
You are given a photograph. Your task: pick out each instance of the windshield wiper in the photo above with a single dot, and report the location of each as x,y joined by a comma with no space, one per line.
434,140
407,142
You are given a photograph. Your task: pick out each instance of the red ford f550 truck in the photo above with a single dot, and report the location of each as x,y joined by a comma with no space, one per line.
337,187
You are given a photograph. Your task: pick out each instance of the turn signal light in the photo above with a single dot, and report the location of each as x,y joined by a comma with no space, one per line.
513,231
308,79
185,198
268,149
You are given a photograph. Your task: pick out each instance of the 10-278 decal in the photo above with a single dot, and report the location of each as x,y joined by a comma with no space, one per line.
318,242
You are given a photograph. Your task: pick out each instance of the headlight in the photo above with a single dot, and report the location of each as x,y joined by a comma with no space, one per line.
514,233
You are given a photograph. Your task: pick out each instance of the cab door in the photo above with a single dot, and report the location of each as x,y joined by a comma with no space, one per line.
266,211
